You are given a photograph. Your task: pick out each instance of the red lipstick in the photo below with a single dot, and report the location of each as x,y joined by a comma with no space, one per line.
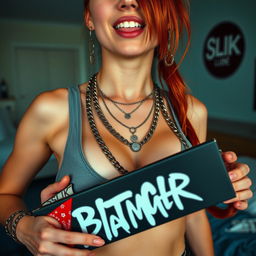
129,32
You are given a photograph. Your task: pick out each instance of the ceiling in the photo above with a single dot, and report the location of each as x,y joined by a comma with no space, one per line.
56,11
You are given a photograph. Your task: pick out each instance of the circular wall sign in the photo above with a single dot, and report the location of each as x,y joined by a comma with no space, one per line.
224,49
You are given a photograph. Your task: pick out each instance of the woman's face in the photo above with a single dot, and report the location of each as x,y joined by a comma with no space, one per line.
120,27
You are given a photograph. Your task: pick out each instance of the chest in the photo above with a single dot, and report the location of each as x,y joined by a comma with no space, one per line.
162,143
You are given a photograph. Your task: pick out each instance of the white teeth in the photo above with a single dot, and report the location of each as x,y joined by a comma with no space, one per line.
128,24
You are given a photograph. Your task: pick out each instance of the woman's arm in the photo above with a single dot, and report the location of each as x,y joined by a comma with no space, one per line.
29,154
41,235
197,114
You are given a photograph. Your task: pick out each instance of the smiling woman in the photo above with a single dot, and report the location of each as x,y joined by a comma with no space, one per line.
118,121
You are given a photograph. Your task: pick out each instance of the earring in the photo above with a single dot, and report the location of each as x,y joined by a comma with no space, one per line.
169,58
91,48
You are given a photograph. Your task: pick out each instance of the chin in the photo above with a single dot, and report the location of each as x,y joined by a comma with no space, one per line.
131,52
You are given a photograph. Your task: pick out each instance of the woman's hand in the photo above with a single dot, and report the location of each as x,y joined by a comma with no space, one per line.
240,181
44,236
54,188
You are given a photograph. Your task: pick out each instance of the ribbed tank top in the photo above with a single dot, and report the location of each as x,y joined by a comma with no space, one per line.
74,161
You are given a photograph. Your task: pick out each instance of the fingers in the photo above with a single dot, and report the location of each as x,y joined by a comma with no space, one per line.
67,237
52,240
45,239
241,205
49,248
229,157
240,196
54,188
242,184
53,222
239,171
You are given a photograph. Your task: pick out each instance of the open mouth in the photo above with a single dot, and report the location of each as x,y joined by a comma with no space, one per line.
129,26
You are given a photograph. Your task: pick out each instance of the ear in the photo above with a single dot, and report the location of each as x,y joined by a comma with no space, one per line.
88,20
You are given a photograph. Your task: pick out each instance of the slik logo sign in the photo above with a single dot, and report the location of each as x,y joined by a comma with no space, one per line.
224,49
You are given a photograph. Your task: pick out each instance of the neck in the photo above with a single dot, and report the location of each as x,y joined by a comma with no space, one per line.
127,79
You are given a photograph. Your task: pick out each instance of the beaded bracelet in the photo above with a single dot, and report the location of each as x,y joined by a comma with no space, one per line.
12,222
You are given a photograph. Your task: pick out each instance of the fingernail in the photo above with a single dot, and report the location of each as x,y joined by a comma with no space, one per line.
230,155
98,241
238,204
232,176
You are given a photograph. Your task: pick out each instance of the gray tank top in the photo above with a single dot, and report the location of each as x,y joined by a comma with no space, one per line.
74,161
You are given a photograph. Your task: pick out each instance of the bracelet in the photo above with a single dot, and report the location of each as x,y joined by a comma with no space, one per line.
12,222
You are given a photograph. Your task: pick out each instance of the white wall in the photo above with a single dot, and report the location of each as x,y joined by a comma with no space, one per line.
20,33
230,98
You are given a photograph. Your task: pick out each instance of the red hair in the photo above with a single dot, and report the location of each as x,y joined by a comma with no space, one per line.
162,17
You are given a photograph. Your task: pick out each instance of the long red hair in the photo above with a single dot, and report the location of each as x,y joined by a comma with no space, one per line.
164,17
161,17
172,16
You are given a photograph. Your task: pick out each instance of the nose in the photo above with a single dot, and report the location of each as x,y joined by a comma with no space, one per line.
127,4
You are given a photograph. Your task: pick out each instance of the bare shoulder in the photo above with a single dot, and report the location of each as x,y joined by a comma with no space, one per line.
49,106
197,111
45,115
197,114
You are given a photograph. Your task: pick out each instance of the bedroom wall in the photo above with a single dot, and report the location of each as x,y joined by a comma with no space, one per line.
230,98
235,94
22,33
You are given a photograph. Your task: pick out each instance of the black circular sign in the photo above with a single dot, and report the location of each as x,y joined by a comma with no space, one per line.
224,49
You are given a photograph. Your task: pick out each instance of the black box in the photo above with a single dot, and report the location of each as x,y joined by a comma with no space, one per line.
170,188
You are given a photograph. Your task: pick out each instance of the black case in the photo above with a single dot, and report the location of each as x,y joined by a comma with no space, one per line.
170,188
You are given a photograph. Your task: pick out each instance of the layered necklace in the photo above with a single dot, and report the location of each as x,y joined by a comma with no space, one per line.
135,145
127,115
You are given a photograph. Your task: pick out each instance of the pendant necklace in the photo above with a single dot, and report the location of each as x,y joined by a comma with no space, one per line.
100,141
127,115
134,144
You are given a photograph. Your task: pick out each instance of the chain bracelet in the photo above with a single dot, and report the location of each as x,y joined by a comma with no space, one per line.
12,222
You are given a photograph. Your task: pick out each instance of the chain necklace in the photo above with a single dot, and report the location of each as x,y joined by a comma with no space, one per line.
134,144
102,144
97,136
127,115
132,129
169,120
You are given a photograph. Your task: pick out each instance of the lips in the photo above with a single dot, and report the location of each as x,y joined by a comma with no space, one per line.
129,26
128,18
